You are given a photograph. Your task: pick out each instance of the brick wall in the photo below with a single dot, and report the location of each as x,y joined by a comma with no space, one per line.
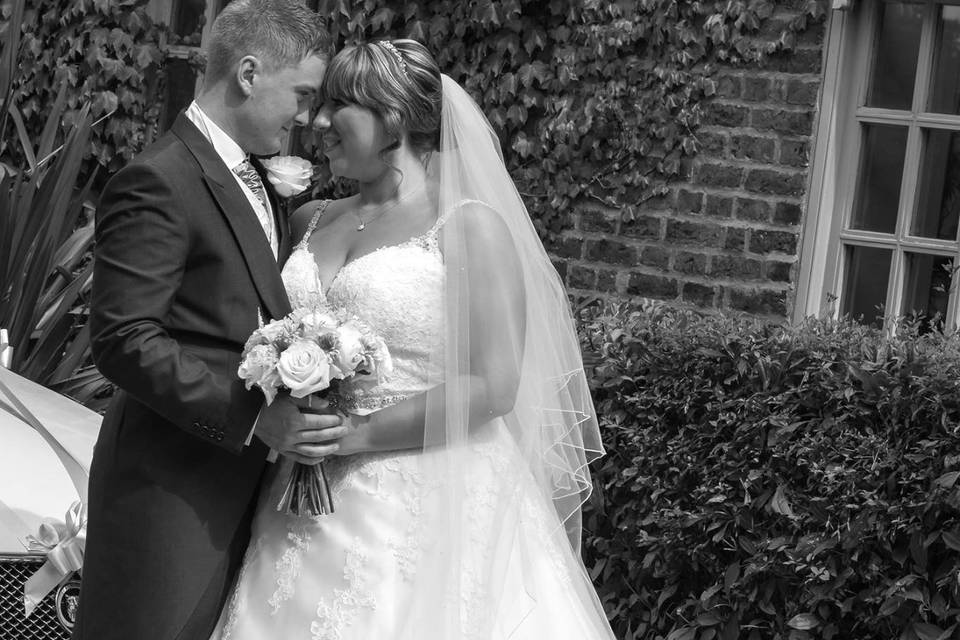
727,235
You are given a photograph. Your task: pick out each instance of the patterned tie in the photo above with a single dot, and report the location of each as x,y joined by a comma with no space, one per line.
251,178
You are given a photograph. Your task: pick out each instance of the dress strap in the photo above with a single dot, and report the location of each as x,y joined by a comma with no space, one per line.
442,219
317,214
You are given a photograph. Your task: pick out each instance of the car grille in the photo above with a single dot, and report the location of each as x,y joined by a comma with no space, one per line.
42,623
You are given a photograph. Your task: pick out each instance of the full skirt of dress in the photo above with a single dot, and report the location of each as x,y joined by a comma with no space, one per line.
374,568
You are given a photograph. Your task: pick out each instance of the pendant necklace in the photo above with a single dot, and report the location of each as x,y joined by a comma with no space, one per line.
363,223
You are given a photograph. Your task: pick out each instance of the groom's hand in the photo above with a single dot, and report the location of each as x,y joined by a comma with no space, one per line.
305,436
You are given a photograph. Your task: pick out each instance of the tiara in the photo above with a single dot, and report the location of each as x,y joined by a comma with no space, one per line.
386,44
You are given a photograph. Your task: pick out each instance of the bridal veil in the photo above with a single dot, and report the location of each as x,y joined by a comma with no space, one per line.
512,353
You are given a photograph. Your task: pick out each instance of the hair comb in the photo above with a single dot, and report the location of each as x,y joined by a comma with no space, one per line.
386,44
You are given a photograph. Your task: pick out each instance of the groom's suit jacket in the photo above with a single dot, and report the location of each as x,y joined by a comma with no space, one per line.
182,268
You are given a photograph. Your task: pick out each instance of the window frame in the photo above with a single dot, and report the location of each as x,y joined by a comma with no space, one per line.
849,45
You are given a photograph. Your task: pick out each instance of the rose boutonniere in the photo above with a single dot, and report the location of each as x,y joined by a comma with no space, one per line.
289,175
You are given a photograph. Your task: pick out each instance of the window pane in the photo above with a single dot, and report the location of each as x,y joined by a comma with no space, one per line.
881,170
188,20
927,288
180,83
939,205
865,287
895,64
945,91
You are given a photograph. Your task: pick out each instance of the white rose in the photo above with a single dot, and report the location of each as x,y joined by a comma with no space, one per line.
349,353
271,331
317,323
304,368
259,367
289,175
377,357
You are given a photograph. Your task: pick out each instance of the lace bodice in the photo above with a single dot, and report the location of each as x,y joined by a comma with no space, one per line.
398,291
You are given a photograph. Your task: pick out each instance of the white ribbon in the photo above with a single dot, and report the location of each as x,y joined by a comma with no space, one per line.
6,350
78,474
64,544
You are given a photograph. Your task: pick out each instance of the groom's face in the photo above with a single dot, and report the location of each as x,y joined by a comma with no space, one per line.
277,99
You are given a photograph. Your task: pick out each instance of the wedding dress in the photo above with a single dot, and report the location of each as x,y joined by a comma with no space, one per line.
359,573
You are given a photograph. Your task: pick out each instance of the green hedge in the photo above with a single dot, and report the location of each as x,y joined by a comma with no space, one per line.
775,482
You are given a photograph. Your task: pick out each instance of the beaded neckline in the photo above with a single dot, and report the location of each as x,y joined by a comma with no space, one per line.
425,240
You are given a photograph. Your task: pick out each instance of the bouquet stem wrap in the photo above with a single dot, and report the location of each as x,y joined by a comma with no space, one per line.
307,492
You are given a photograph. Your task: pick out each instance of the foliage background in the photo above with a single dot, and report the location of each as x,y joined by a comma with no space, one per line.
775,482
591,99
62,65
110,54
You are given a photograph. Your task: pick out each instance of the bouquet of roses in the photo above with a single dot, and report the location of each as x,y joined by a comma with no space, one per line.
305,352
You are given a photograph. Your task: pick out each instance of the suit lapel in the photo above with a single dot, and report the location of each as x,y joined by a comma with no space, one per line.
279,213
234,206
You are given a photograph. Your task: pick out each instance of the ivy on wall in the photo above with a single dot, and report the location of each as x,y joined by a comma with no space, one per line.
591,99
110,54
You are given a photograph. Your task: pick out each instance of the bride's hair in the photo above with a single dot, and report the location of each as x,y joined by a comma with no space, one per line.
396,79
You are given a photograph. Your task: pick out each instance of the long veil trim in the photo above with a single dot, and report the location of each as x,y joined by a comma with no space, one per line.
502,295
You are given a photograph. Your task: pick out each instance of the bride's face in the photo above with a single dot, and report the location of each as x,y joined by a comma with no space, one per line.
353,140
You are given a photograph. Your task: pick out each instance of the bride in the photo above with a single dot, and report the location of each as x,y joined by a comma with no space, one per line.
459,484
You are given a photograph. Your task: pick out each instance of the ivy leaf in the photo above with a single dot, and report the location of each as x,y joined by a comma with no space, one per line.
708,619
780,504
489,15
684,633
951,539
382,19
523,146
536,70
948,479
417,32
731,575
105,102
145,56
803,622
891,605
927,631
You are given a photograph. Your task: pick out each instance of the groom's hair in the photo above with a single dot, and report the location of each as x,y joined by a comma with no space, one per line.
280,32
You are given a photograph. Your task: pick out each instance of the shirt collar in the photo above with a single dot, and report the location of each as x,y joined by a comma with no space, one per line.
225,146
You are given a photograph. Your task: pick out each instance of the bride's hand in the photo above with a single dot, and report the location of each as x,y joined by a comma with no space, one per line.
305,434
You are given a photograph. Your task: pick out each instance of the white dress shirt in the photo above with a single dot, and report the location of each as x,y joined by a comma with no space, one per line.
232,155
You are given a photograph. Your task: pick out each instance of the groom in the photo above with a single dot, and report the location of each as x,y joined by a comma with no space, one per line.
188,243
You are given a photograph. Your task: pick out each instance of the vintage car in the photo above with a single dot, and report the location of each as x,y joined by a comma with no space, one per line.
36,488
